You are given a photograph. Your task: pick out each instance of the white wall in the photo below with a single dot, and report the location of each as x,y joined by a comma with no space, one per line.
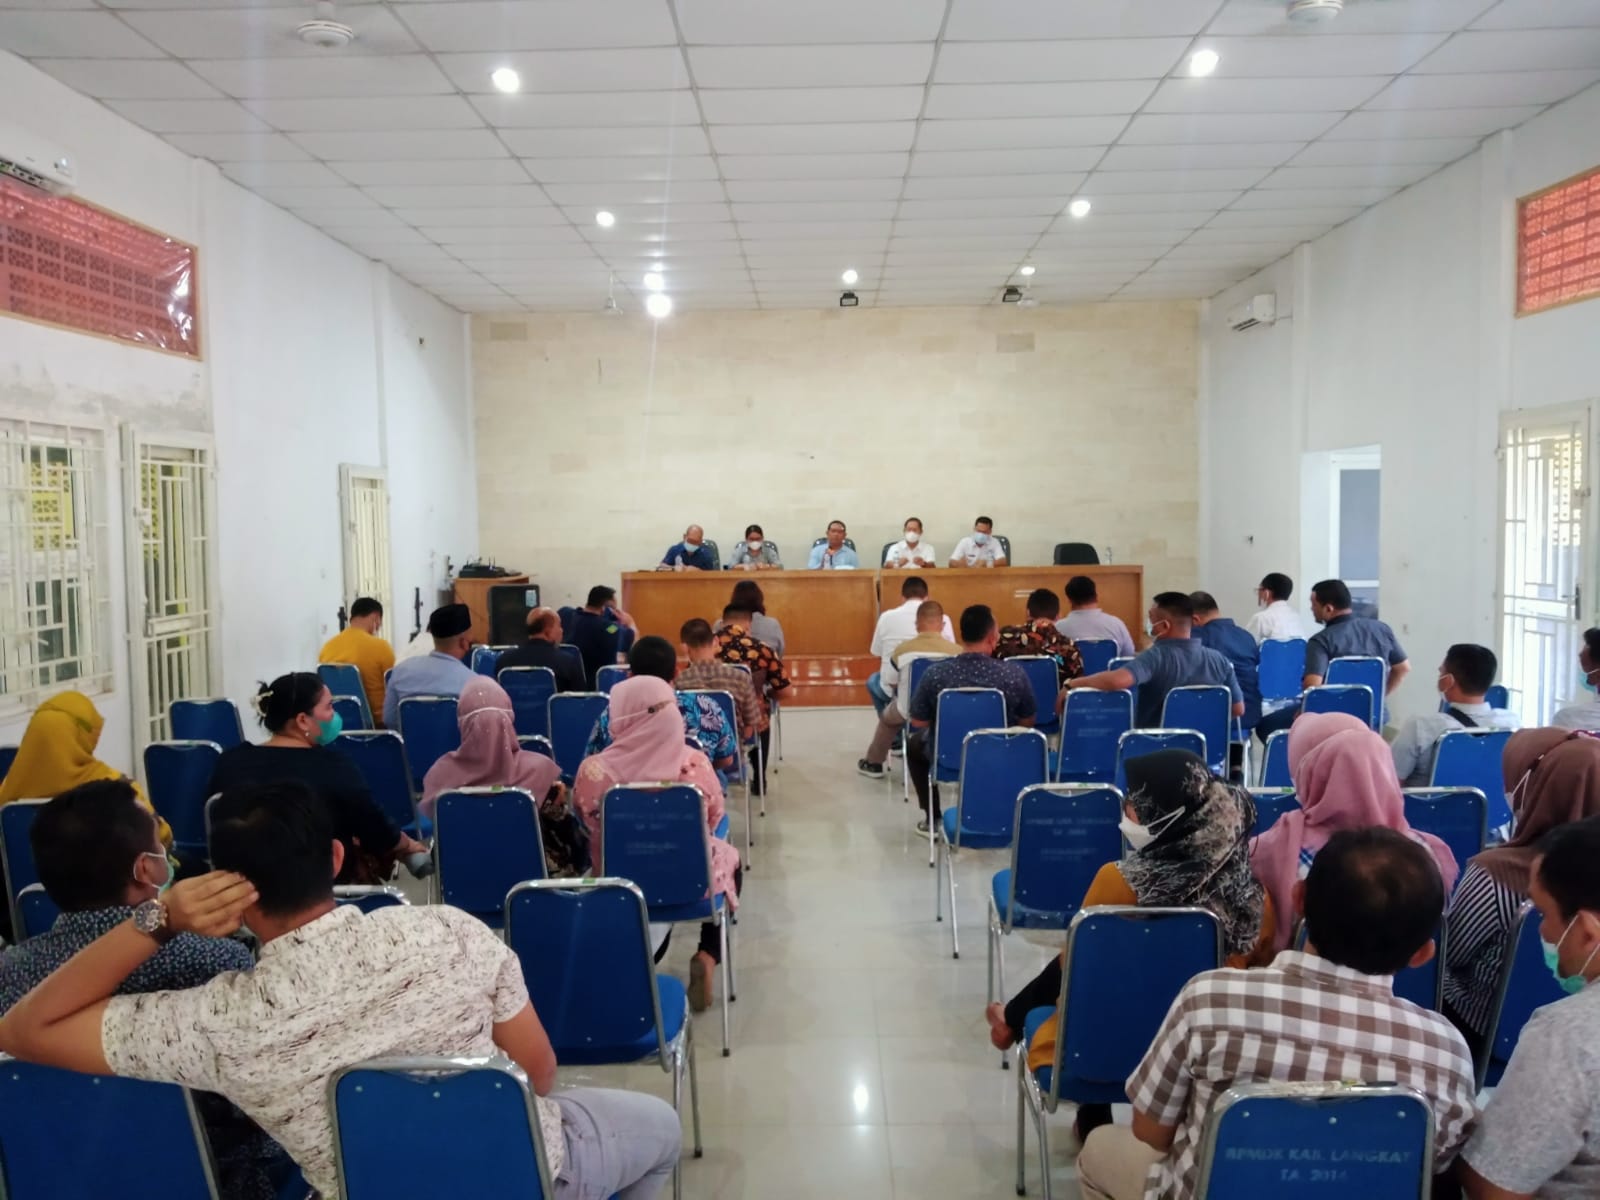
312,359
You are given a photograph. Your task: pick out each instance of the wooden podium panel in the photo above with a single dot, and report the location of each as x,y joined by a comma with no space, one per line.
1005,589
822,612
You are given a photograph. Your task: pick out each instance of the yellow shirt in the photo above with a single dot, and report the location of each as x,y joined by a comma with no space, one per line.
369,655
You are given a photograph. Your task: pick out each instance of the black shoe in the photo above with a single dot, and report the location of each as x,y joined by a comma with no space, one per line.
922,823
871,770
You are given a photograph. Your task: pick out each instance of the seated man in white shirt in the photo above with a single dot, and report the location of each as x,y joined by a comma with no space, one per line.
897,625
1585,714
1465,677
980,548
911,552
1277,620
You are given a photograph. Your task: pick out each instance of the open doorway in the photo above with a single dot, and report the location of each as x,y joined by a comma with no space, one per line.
1340,505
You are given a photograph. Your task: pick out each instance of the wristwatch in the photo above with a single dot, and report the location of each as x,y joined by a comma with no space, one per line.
150,918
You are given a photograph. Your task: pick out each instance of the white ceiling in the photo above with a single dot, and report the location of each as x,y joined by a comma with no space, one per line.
757,148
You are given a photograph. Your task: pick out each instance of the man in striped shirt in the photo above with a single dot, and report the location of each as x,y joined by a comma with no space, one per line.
1371,903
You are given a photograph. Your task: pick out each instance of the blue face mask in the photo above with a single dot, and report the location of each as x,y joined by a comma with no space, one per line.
980,538
1589,685
161,888
1570,984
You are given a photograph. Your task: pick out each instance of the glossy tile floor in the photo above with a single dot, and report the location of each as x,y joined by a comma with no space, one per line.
861,1063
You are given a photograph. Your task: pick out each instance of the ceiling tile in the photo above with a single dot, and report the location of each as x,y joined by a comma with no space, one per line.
545,25
451,196
634,168
1390,175
589,109
281,174
1191,157
817,22
1021,133
1122,222
813,189
1430,123
805,230
1413,16
334,217
771,251
646,69
239,147
1320,198
1113,183
488,256
428,144
1172,201
660,141
320,198
680,249
986,20
981,207
1076,234
189,116
1263,224
778,106
1226,235
323,78
1061,186
664,234
35,34
1540,14
483,170
1052,161
813,139
1311,95
1405,150
645,192
1014,243
630,215
233,31
131,79
1297,56
1168,129
1037,99
377,114
1494,89
1518,50
512,215
546,237
1030,62
813,166
810,66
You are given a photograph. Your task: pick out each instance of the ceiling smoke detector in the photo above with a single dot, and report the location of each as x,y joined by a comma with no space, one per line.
1314,12
324,32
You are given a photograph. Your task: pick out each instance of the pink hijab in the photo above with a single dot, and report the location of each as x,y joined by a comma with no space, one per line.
490,755
646,733
1344,778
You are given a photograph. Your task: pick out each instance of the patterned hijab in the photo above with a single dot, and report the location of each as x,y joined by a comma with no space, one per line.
1552,778
1201,856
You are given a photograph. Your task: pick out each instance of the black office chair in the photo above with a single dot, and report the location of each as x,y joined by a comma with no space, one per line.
1005,546
716,555
848,542
1074,554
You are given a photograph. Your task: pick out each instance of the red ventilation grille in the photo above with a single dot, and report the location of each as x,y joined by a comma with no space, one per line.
1558,244
71,264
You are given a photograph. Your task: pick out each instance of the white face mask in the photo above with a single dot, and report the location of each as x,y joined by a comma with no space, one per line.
1139,836
754,545
912,537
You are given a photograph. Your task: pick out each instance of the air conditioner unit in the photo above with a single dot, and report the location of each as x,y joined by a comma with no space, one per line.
29,159
1258,310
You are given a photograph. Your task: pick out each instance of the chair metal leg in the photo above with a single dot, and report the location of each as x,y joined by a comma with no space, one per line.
733,967
677,1107
722,930
761,773
950,878
1044,1150
1022,1134
933,790
749,830
694,1089
937,849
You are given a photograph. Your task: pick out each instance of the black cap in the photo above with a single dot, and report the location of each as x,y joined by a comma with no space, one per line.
450,621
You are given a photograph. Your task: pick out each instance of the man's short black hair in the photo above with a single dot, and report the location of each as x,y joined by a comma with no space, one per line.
279,837
1591,643
1202,602
1080,589
1042,602
654,656
1566,868
839,523
1473,666
989,521
908,521
977,621
1277,585
600,595
697,632
914,587
1176,605
1373,899
1331,591
733,612
755,529
86,841
366,607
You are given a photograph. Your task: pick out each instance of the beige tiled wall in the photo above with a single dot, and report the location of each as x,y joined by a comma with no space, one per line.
600,438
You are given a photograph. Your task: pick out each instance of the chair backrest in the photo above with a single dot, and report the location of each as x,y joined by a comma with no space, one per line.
210,720
730,713
1074,554
912,667
475,1116
530,689
1044,677
1208,710
1424,985
65,1136
1283,665
1005,546
957,713
655,835
537,743
1456,816
997,765
716,554
1498,696
1379,1135
573,653
1525,985
586,957
352,712
1471,758
1105,1031
16,850
486,659
883,554
572,720
609,676
1353,698
848,542
8,755
485,842
1367,670
36,912
1275,762
1147,741
1271,803
431,729
344,679
1064,834
369,898
380,756
1119,662
1097,654
1092,723
178,775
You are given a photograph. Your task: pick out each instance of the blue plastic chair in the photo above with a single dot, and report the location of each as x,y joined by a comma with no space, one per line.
997,766
485,841
214,720
537,743
380,756
475,1116
1044,676
36,912
1525,985
16,850
431,729
956,713
530,689
1366,671
1118,664
1271,803
1456,816
730,713
910,680
1275,762
608,676
1424,985
1471,758
586,956
575,654
1498,696
352,713
1208,710
1147,741
1283,665
370,898
1380,1136
1103,1032
1356,699
178,775
486,659
343,679
572,720
1096,653
64,1136
8,755
1091,724
655,835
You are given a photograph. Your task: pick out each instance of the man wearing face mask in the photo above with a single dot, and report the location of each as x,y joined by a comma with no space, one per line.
911,552
1465,676
1539,1136
980,548
755,553
1585,714
690,554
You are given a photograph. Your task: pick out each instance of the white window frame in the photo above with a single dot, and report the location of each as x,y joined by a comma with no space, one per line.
1366,458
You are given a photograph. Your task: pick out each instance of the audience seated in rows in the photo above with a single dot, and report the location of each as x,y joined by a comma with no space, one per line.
831,553
602,632
931,640
1088,621
359,645
689,553
98,857
1217,632
1465,677
737,643
1370,904
755,553
1343,779
749,600
1188,834
706,672
333,987
911,552
297,711
1585,714
1552,779
542,648
896,625
1039,635
980,548
1275,618
444,672
707,728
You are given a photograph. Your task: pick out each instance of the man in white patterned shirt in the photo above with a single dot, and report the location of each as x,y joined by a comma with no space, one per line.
333,987
1371,903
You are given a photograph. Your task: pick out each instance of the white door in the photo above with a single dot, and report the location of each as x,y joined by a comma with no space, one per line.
1546,565
172,594
364,507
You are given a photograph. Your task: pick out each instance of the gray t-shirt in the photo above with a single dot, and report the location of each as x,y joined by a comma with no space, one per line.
1177,662
1540,1134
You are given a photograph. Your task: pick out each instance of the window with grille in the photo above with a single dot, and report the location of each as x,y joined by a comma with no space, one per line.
1558,244
54,608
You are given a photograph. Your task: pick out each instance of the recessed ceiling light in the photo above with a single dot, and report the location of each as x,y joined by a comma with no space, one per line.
1203,62
653,281
658,304
605,219
1079,208
850,276
505,79
1026,269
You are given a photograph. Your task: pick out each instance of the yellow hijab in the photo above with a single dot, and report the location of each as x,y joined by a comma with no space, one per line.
57,754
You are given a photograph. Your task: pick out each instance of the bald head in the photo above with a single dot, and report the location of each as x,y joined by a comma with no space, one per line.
544,625
930,617
694,535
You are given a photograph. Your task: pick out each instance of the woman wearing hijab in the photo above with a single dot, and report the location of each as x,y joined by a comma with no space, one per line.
491,756
1344,778
647,746
1553,778
1188,832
